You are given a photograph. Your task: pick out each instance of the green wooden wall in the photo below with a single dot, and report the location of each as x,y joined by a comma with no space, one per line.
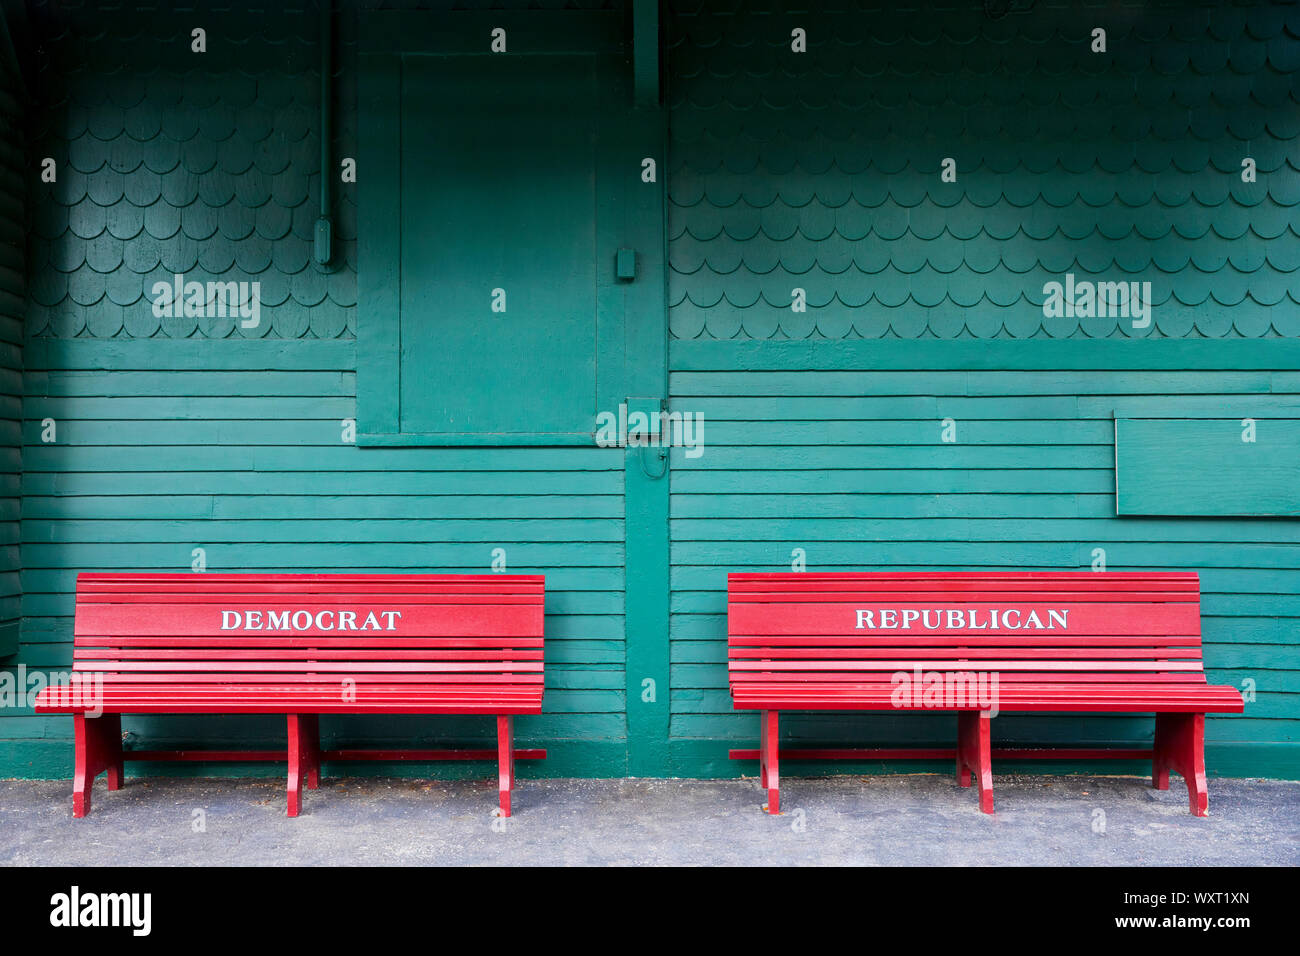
816,170
821,171
13,290
843,456
177,434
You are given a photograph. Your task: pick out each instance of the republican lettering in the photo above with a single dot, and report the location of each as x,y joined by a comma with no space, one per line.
961,619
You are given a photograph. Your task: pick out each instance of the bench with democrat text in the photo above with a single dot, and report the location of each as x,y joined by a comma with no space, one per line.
300,645
978,643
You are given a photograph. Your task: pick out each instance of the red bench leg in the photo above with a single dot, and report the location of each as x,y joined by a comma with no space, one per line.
770,759
963,771
974,754
313,766
112,731
1159,770
304,757
1180,746
505,760
97,747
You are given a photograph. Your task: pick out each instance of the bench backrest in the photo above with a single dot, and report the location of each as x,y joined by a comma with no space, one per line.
1028,626
251,628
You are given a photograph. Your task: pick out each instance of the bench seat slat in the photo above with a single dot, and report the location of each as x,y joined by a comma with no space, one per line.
990,665
763,580
91,582
322,666
1022,677
937,595
973,653
320,598
744,643
320,704
304,677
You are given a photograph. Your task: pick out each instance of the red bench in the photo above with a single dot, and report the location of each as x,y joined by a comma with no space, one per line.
300,645
1116,642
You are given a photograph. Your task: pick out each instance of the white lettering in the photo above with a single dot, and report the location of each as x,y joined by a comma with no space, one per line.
949,618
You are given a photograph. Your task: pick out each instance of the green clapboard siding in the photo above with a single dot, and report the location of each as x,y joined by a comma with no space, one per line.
1207,467
251,467
849,466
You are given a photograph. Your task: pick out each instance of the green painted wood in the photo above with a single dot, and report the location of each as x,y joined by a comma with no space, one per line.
322,507
645,52
378,349
275,355
1219,467
646,482
14,175
51,758
480,135
173,472
832,382
701,757
553,359
174,431
1073,354
822,171
846,462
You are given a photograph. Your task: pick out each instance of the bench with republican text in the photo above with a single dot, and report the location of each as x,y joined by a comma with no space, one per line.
978,644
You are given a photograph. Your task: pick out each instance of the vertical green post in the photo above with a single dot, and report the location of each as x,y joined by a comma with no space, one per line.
646,477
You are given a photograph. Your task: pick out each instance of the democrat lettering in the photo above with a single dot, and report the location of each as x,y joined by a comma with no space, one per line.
304,620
